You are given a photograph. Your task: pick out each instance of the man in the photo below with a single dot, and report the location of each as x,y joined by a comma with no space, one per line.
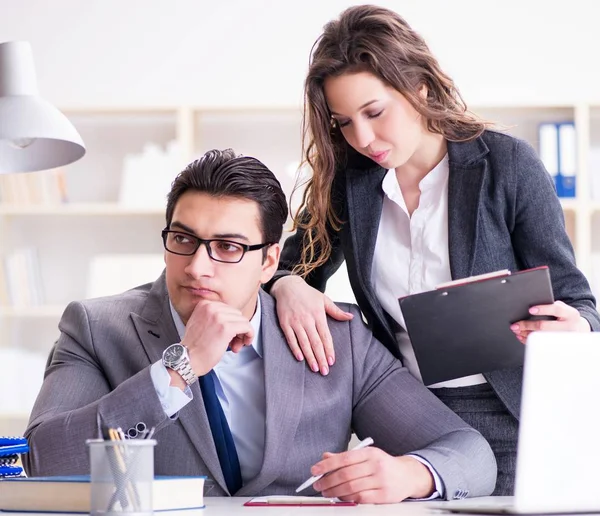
257,421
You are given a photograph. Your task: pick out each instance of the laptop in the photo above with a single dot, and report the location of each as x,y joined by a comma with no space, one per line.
558,456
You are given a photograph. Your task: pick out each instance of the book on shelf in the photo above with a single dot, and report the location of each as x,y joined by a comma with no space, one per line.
73,494
4,297
558,152
47,187
21,282
155,168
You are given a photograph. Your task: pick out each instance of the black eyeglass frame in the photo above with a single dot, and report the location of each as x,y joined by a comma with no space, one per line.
200,241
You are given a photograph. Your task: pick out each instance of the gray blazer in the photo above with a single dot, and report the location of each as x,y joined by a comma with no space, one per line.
503,213
100,371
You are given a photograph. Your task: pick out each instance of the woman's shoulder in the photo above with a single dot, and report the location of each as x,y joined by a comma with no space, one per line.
499,148
501,142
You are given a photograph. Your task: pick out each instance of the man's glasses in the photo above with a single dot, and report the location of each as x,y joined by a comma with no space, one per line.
226,251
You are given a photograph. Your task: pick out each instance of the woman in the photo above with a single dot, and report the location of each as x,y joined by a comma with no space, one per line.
411,191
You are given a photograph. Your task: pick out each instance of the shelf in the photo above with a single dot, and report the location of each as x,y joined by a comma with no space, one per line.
4,416
44,311
101,208
108,208
569,204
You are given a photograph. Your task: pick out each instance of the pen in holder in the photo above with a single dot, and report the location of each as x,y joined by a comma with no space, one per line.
122,473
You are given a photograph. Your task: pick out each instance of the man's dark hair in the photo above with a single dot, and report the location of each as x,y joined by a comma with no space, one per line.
222,173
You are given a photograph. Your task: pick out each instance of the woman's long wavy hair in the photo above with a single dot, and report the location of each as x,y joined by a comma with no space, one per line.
376,40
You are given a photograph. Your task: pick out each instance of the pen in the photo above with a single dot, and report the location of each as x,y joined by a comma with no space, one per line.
363,444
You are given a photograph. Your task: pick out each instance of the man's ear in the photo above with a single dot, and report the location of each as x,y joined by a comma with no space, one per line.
270,263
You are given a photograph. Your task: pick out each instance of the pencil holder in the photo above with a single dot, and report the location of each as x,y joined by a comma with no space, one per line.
122,473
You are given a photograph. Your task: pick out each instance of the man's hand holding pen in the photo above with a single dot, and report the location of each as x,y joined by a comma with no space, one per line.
369,474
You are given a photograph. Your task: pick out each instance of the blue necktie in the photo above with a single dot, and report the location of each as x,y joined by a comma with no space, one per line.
228,458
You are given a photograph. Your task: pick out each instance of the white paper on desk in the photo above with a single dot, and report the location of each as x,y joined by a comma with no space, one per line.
294,500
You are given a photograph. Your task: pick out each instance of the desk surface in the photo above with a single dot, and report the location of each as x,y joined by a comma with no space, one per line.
216,506
222,506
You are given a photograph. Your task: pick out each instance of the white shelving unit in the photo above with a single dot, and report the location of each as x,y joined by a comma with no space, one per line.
68,236
78,209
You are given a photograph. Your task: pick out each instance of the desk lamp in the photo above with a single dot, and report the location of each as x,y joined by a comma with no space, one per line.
34,135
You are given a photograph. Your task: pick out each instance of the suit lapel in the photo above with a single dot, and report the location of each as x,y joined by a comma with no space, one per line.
284,392
365,202
154,325
156,330
467,172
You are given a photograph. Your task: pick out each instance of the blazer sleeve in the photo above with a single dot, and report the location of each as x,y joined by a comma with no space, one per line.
403,416
539,235
76,398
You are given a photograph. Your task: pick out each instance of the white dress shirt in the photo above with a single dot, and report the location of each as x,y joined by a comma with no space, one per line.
240,386
411,253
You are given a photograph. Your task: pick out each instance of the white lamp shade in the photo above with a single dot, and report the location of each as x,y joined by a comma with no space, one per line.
34,135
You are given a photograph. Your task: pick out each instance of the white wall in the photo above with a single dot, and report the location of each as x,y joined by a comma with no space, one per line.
145,52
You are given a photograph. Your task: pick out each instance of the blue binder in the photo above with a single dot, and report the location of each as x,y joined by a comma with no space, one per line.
558,152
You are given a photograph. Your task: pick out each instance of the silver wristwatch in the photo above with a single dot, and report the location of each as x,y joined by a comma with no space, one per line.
176,357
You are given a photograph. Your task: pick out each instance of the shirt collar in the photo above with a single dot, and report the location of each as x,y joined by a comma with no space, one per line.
436,177
255,322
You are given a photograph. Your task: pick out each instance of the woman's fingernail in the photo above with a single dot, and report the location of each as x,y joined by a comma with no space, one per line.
534,310
514,327
330,360
299,357
314,367
324,371
317,486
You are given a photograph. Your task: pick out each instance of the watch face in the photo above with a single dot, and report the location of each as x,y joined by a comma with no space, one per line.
173,354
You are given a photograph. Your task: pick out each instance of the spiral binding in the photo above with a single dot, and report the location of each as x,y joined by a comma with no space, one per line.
10,448
8,460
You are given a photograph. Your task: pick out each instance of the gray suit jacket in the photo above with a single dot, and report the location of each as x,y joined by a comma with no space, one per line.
503,213
100,371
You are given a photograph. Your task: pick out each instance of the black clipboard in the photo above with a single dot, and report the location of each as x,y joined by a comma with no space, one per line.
464,329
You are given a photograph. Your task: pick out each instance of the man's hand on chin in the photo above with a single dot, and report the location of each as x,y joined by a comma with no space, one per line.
210,330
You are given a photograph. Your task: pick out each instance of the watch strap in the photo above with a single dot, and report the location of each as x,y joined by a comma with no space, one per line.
186,372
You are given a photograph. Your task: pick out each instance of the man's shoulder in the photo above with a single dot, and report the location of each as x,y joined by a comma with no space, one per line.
268,304
357,323
124,303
